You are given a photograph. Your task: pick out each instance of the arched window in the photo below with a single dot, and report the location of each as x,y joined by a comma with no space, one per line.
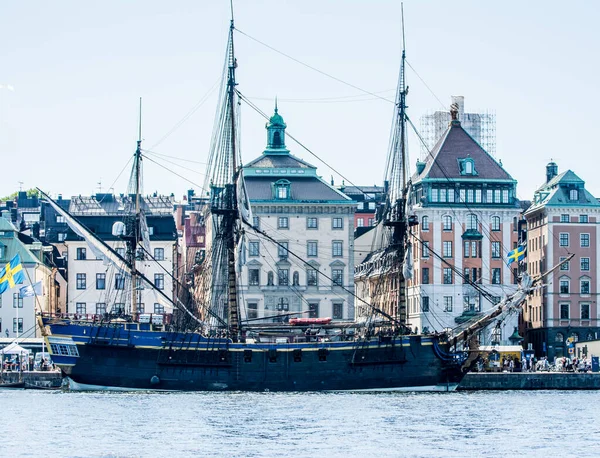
575,337
468,168
425,223
276,138
296,279
472,222
495,223
559,337
282,189
270,279
447,223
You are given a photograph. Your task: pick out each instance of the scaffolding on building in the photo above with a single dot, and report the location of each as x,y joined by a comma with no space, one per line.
481,126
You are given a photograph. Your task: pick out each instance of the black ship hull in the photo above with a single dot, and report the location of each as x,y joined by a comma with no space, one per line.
190,362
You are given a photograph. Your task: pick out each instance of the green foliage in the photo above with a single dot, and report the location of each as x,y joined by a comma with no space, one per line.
30,193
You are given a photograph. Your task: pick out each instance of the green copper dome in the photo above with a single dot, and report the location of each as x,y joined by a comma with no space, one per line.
276,120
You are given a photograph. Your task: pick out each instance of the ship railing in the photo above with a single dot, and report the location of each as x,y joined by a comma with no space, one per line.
156,319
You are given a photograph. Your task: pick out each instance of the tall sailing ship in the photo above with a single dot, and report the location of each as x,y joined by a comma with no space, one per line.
210,347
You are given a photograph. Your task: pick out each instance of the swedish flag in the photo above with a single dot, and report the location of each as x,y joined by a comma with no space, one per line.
11,274
517,254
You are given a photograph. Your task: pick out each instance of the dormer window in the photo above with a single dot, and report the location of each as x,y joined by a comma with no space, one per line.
574,194
282,190
467,166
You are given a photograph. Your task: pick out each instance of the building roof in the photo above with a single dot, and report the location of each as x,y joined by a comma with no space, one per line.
556,193
13,245
456,145
305,189
109,204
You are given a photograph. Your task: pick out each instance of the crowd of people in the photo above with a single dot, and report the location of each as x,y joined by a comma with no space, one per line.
511,363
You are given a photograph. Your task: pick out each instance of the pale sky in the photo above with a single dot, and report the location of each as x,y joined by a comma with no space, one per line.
72,72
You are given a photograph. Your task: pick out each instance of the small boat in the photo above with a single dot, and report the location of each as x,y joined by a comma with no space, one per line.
309,321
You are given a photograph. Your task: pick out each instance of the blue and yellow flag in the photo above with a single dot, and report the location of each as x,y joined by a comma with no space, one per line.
517,254
11,274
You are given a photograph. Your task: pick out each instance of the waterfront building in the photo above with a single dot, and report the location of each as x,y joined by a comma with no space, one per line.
17,314
95,288
468,213
561,221
368,200
307,217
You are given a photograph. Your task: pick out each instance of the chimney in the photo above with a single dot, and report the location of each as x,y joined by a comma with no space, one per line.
551,170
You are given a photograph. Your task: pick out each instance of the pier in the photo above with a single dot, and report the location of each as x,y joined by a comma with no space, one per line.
530,381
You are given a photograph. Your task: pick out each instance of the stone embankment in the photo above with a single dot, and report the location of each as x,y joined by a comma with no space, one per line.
530,381
36,379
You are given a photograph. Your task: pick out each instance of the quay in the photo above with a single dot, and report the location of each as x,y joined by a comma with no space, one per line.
42,380
530,381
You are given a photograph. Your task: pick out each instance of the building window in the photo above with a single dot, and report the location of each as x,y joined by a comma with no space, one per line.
252,310
425,223
159,281
559,337
425,250
120,252
495,250
159,254
564,265
495,223
312,223
472,222
270,281
141,308
17,301
478,196
296,279
338,310
447,225
313,310
425,276
447,249
434,195
496,300
62,236
466,248
564,239
447,276
337,248
574,194
584,240
256,222
253,248
583,218
564,218
119,281
585,311
564,286
81,281
312,249
283,222
585,264
471,304
100,308
283,277
101,281
18,322
80,308
312,277
337,275
282,250
470,194
282,190
337,223
425,304
371,221
360,222
496,275
118,308
584,286
447,303
253,277
159,308
283,304
564,311
80,254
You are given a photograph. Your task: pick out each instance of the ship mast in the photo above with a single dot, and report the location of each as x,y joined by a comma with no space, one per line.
134,234
397,183
233,306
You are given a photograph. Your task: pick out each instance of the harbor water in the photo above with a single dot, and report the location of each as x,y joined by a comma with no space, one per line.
459,424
